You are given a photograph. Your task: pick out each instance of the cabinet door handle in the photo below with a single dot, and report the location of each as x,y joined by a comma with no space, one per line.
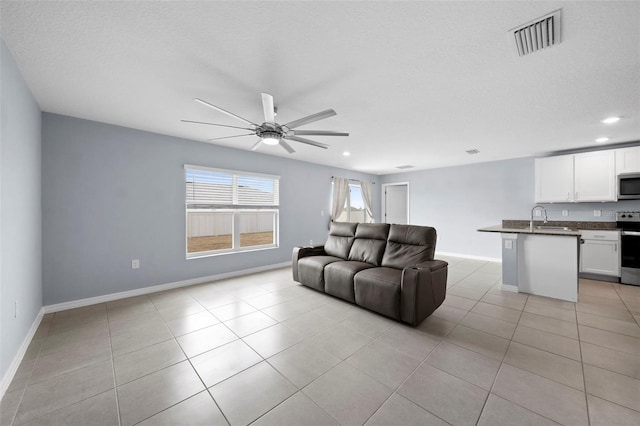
615,248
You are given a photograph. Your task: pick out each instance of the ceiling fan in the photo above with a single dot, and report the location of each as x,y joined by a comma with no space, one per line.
272,133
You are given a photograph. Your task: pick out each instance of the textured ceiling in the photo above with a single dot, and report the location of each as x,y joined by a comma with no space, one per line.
415,83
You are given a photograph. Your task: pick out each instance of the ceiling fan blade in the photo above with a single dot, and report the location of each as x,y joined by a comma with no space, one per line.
231,137
287,146
224,111
308,142
267,107
311,118
318,133
257,145
214,124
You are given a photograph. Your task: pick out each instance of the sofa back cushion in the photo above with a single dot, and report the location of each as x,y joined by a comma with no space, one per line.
370,241
340,239
408,245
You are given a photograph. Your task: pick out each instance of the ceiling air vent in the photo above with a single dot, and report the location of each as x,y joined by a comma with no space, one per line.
407,166
538,34
473,151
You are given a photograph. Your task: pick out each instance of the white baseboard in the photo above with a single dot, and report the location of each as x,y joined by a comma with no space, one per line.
468,256
510,287
17,359
156,288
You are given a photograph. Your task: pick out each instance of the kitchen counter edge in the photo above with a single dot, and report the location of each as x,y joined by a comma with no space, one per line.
505,230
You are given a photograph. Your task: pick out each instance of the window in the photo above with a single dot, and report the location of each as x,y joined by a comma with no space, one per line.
354,210
229,211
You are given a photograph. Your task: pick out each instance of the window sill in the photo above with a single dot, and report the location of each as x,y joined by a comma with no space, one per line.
227,252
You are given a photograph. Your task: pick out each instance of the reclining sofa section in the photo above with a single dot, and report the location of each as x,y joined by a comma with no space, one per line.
388,269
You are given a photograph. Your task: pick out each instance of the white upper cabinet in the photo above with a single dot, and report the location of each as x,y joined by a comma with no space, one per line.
576,178
595,176
628,160
554,179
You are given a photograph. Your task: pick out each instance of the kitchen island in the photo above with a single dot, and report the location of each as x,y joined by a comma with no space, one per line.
544,261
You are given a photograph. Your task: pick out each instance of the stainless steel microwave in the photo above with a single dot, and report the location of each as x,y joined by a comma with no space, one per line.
629,186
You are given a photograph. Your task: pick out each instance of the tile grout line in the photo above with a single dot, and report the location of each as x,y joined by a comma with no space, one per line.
60,374
113,367
490,392
395,391
584,377
187,358
500,369
26,386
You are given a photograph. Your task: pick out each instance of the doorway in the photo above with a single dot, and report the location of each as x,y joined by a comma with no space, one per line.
395,203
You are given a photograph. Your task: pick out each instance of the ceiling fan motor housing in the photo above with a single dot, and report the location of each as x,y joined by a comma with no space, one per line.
270,133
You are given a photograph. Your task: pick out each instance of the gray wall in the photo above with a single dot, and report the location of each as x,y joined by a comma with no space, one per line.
20,209
100,183
459,200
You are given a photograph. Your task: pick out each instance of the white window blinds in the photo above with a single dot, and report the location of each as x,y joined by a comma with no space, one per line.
218,187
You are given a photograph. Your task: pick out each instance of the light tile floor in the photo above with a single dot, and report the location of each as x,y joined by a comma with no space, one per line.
262,349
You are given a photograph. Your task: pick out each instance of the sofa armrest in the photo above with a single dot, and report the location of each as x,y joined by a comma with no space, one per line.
422,290
432,265
300,252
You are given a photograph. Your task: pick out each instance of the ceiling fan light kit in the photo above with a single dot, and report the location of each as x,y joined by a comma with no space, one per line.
272,133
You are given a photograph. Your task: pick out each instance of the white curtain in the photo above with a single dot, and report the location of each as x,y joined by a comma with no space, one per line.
367,197
340,192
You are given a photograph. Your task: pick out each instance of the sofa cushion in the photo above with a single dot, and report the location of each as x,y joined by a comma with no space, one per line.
378,289
370,241
373,231
338,278
340,239
311,270
408,245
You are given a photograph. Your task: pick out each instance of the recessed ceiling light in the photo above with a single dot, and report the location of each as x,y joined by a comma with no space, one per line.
602,140
346,153
611,120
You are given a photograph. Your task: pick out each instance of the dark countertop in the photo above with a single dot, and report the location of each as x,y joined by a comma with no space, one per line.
523,230
584,225
522,227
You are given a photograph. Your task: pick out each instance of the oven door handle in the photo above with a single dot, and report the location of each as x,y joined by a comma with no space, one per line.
633,233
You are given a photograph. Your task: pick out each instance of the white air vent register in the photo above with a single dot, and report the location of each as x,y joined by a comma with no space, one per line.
541,33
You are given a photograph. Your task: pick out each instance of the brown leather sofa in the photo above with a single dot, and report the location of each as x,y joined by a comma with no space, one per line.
386,268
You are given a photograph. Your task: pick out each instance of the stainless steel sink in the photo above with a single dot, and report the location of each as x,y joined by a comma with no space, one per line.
553,228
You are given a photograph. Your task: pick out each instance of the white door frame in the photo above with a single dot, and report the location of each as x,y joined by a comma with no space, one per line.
384,200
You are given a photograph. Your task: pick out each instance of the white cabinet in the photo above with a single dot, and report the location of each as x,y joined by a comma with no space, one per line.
600,253
554,179
595,176
576,178
628,160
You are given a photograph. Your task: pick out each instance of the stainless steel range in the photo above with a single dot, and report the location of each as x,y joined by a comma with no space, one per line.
629,223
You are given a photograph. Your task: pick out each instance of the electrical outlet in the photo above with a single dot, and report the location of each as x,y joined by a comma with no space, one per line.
597,213
565,212
538,212
508,244
310,242
135,264
321,213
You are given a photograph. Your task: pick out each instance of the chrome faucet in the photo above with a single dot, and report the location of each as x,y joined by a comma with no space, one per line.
533,210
